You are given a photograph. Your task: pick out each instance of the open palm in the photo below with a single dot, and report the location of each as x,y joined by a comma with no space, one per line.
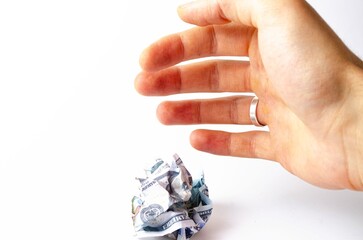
298,69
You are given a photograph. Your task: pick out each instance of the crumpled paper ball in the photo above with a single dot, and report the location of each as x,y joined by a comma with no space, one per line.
170,203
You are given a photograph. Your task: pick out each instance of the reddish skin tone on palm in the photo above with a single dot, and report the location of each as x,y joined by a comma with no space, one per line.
310,86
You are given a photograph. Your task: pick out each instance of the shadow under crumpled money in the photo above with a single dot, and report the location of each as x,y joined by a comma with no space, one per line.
217,226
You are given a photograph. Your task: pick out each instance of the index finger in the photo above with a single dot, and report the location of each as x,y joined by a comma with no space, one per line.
227,40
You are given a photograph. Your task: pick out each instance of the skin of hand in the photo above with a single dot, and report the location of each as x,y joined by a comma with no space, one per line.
309,84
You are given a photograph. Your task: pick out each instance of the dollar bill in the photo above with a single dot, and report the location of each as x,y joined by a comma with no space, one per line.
170,202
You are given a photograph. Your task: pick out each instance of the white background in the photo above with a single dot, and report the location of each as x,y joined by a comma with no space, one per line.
74,133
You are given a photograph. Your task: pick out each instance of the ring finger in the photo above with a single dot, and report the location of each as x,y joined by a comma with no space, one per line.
226,110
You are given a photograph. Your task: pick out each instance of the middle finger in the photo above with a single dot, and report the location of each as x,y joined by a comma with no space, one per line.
208,76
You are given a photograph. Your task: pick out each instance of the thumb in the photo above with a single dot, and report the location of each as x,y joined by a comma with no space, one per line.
252,13
208,12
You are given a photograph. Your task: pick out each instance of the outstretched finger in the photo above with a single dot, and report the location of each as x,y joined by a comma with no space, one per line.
208,76
254,144
225,110
198,42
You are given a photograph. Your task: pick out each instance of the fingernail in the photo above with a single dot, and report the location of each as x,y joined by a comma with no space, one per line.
187,6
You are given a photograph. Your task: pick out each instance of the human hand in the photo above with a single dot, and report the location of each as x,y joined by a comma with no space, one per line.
308,82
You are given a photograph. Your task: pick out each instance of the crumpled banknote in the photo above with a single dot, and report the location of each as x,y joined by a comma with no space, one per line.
170,202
